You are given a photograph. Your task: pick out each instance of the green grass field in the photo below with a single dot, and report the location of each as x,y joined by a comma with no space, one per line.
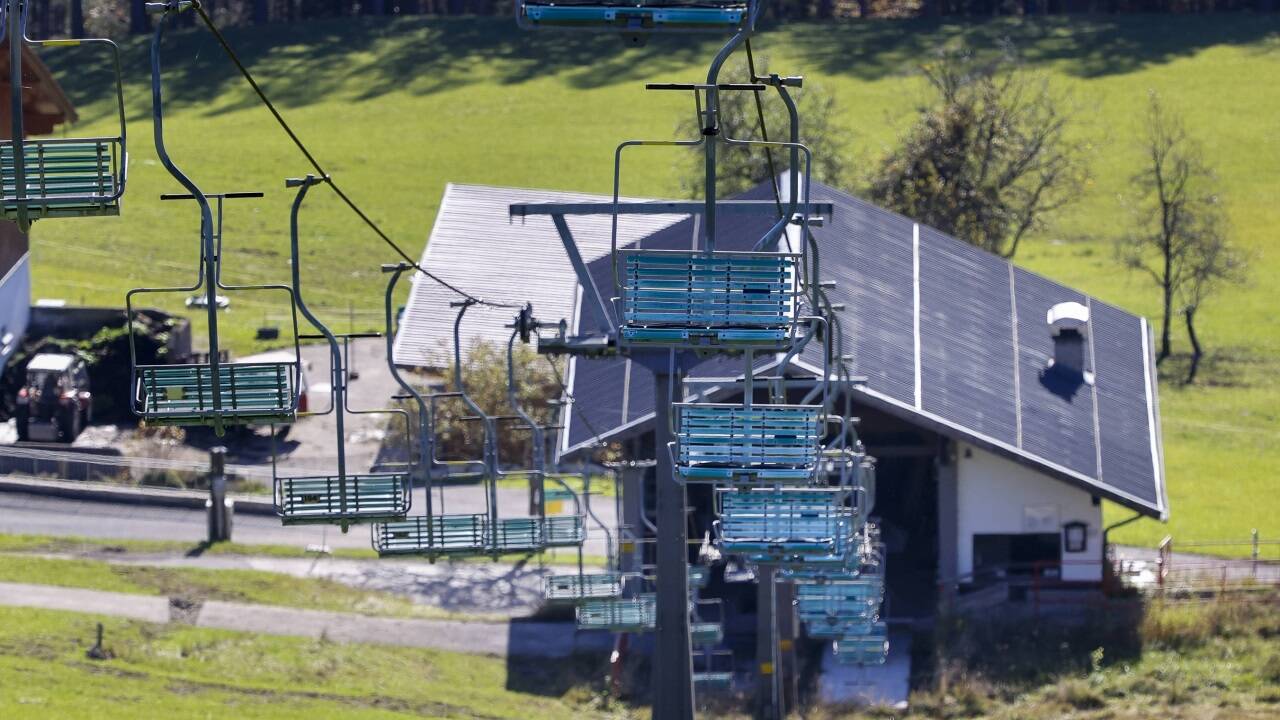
396,109
200,584
176,671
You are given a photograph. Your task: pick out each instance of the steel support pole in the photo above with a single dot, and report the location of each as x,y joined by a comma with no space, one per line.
218,495
768,697
673,661
14,32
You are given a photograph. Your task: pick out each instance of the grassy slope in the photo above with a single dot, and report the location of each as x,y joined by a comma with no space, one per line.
200,584
397,109
176,671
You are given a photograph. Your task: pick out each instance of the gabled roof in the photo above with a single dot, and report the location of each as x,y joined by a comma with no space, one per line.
947,335
476,246
950,337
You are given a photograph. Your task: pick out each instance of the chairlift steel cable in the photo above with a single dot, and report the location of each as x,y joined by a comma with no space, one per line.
764,131
226,47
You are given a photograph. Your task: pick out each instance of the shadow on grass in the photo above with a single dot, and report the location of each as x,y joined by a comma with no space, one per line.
1229,367
361,58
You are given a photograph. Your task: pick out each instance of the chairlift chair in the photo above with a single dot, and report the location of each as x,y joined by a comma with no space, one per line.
57,177
782,525
637,16
713,669
211,393
341,497
727,443
709,301
470,534
868,646
627,614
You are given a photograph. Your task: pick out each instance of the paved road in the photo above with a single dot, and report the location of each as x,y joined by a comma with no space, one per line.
54,516
31,514
536,639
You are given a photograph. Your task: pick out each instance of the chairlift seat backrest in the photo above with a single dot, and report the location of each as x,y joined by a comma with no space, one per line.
721,442
371,497
63,178
582,587
700,299
635,614
248,393
635,16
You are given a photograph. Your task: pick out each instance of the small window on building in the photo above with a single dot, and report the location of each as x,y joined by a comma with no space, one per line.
1075,537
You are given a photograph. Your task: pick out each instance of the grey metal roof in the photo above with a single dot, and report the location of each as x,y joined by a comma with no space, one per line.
475,246
948,336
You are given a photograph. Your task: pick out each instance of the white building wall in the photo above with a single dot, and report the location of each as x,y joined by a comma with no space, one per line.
1002,497
15,307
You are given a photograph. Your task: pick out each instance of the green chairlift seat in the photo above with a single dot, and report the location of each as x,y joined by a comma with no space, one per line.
699,576
63,178
850,601
715,671
248,393
709,301
634,614
634,16
371,497
866,646
573,588
473,534
732,443
777,525
706,633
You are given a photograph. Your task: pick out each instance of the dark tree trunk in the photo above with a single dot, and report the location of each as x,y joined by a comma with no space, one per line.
1165,345
77,18
261,12
1190,313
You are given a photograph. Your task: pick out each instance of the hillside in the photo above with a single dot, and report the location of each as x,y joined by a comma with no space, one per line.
396,109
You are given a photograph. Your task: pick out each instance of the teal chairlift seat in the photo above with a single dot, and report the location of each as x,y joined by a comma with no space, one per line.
725,443
775,526
719,301
341,497
577,587
58,177
636,16
476,534
713,669
633,614
846,601
868,645
706,622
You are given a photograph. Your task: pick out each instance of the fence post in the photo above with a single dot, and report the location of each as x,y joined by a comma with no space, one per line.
1255,553
219,509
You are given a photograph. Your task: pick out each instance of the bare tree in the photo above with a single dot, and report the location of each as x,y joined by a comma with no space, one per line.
1181,241
990,162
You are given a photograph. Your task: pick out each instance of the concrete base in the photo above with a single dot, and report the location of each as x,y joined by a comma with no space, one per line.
881,685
